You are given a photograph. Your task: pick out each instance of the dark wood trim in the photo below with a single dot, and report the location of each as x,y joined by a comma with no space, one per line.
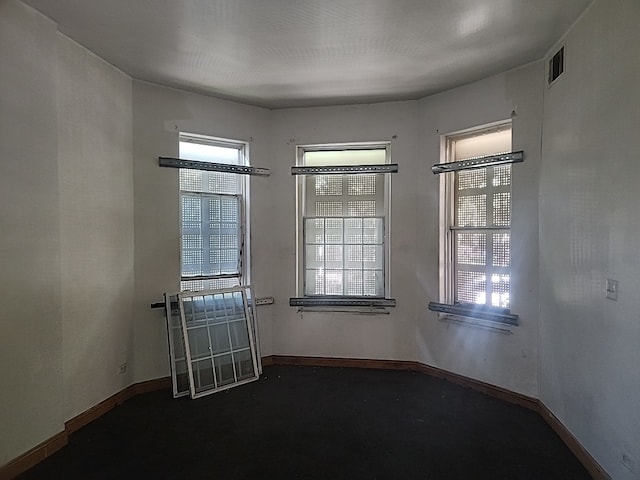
338,362
55,443
34,456
88,416
486,388
581,453
596,471
491,390
148,386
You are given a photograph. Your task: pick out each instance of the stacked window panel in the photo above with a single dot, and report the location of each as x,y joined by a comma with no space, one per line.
213,341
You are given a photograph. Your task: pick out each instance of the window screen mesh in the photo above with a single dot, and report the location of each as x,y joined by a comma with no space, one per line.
500,290
329,209
361,184
209,182
501,175
328,185
472,211
502,209
472,179
471,248
361,208
501,249
212,247
471,287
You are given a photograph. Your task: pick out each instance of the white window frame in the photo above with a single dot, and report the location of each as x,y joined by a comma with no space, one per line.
243,273
300,215
448,230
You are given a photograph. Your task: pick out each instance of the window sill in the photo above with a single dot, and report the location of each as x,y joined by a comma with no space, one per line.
497,315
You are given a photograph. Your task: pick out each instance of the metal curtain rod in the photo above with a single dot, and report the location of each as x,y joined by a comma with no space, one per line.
213,167
479,162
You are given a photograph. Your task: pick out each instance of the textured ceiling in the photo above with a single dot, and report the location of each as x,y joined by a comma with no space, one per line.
286,53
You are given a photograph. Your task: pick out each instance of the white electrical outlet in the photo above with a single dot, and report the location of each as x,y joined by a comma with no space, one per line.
123,368
264,301
612,289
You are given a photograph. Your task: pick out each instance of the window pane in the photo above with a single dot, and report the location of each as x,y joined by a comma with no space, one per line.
328,184
472,248
472,211
472,179
501,175
501,249
205,152
500,290
333,282
362,208
502,209
346,157
471,287
328,209
361,184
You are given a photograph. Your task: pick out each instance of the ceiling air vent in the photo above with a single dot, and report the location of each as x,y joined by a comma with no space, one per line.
556,65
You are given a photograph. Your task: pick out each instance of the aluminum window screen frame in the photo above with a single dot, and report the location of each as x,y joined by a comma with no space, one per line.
220,340
177,357
332,262
214,238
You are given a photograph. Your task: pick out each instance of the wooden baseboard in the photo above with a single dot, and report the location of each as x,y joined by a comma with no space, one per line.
596,471
590,463
338,362
492,390
34,456
486,388
55,443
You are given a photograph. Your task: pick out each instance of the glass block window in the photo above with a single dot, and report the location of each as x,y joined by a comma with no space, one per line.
212,215
479,247
344,218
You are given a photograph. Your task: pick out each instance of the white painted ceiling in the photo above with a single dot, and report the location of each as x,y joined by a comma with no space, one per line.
287,53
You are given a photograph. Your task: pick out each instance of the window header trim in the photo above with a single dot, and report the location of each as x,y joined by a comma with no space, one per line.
479,162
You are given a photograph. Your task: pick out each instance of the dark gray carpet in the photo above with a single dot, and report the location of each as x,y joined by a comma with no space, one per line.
318,423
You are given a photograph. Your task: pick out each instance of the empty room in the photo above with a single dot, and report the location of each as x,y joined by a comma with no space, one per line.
320,239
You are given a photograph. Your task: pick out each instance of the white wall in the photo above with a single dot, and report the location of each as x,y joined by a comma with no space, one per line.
77,214
30,318
159,115
507,360
347,335
96,225
590,231
66,218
